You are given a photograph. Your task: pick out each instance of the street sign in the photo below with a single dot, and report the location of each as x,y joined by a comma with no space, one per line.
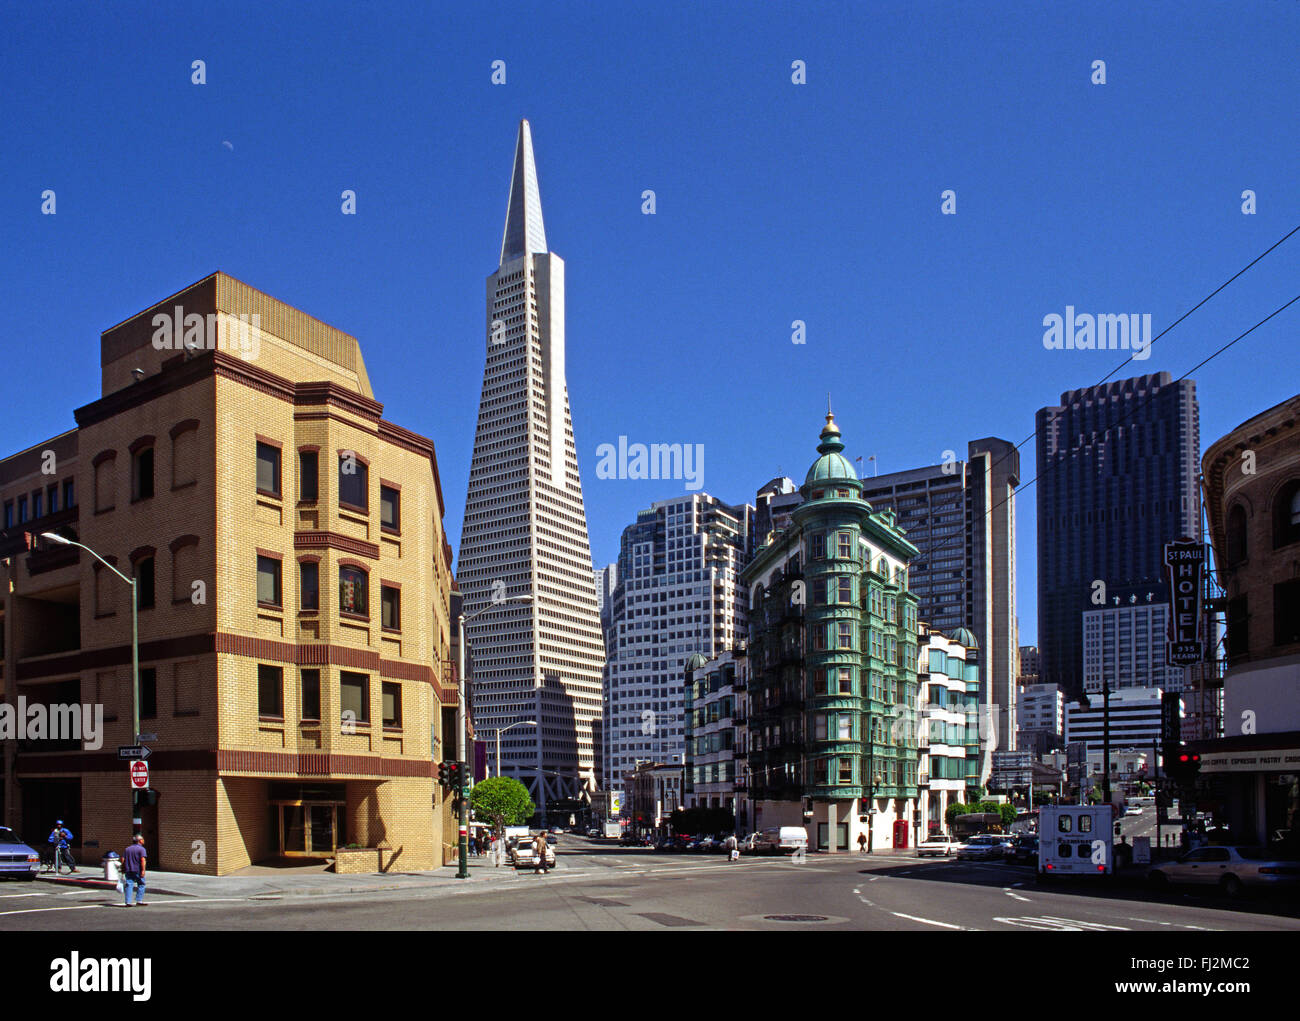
139,774
133,751
146,737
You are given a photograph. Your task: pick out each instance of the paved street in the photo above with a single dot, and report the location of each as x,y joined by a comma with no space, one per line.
601,886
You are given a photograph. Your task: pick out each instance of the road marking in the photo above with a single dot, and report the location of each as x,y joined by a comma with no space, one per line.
1053,923
14,896
927,921
1016,896
70,907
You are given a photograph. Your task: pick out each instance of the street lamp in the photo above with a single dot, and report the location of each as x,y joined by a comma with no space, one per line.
135,644
502,730
461,719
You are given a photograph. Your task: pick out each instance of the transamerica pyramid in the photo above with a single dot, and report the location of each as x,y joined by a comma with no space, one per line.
525,530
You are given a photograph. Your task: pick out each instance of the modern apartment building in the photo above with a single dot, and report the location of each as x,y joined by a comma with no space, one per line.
773,504
1117,471
948,674
1124,643
1028,665
961,515
678,594
293,582
832,666
716,729
525,531
1042,717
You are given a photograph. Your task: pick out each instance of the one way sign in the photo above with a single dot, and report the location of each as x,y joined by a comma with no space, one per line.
133,751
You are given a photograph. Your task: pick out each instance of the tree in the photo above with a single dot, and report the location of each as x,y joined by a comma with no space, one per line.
502,801
955,810
1009,813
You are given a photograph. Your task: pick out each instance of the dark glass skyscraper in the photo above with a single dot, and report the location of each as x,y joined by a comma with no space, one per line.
1117,470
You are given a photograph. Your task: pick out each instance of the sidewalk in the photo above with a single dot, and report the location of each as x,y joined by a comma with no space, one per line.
273,881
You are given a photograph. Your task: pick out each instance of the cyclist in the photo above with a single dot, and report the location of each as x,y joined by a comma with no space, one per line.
59,837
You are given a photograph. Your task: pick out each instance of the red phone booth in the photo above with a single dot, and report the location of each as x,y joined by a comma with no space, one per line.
900,833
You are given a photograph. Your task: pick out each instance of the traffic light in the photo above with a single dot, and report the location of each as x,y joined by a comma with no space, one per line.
1183,765
444,774
455,773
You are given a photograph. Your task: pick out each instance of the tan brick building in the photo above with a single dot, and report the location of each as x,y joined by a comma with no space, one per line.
294,584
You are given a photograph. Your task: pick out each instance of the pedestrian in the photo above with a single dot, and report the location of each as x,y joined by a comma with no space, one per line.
733,848
59,837
134,859
862,843
473,846
539,848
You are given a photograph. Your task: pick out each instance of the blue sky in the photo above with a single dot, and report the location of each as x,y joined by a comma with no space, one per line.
775,202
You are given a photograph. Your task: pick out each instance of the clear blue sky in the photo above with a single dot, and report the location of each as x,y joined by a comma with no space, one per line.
776,202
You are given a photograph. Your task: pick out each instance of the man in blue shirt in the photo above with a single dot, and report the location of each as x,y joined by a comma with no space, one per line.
59,837
134,859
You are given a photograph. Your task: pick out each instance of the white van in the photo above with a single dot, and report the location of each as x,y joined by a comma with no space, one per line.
784,839
1075,840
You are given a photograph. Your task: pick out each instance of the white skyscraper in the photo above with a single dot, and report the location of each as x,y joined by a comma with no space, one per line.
677,594
525,529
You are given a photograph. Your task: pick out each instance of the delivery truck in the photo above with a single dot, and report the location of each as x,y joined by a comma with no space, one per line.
1076,840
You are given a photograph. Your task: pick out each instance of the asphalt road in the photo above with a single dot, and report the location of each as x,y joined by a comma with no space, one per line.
604,887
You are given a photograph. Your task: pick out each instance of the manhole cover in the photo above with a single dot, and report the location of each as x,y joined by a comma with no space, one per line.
795,918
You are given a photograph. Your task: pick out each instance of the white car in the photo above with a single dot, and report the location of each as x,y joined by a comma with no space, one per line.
1231,869
938,844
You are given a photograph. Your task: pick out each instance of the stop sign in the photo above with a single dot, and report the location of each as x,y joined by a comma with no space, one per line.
139,774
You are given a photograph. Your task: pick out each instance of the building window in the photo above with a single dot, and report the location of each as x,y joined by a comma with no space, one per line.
846,545
818,546
105,591
22,510
69,493
270,692
309,585
1238,620
309,682
9,514
392,699
353,484
1236,537
142,473
819,637
185,453
1286,613
268,581
38,511
145,593
845,636
354,585
268,469
390,509
846,771
819,727
185,553
148,693
52,494
308,476
846,680
354,697
390,607
1286,514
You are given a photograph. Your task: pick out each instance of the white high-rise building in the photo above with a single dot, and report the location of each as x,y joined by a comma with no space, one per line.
525,527
677,594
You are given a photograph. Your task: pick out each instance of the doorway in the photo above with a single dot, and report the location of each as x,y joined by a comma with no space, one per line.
308,829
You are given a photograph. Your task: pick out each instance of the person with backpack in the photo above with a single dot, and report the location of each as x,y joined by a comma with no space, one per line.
59,837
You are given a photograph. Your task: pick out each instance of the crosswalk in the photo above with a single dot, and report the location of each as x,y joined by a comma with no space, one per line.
1056,924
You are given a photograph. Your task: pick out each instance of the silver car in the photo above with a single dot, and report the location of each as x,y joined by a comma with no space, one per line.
985,847
1231,869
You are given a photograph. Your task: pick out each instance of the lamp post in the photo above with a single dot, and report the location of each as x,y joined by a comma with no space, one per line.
461,720
135,647
502,730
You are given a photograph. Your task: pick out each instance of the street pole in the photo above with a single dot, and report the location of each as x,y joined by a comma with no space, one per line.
462,840
1105,732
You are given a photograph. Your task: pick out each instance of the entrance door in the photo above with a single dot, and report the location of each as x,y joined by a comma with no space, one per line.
152,838
309,829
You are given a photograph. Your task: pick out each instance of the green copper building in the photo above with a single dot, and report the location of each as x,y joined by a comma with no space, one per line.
832,659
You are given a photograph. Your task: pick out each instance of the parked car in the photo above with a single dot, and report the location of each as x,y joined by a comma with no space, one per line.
1024,851
935,844
524,856
1231,869
983,847
17,859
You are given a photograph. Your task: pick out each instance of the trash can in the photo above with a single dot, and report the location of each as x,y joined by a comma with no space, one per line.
112,863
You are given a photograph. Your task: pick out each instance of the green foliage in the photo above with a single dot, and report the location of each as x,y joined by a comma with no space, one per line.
1009,813
502,801
955,810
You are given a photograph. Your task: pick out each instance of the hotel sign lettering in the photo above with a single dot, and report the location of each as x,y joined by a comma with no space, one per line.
1184,562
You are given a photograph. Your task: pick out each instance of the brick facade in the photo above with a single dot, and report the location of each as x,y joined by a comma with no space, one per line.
228,744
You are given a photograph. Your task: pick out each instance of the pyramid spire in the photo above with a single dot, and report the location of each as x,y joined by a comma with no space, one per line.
524,234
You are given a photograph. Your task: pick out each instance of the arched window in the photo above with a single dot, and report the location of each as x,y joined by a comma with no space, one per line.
1286,514
1236,537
